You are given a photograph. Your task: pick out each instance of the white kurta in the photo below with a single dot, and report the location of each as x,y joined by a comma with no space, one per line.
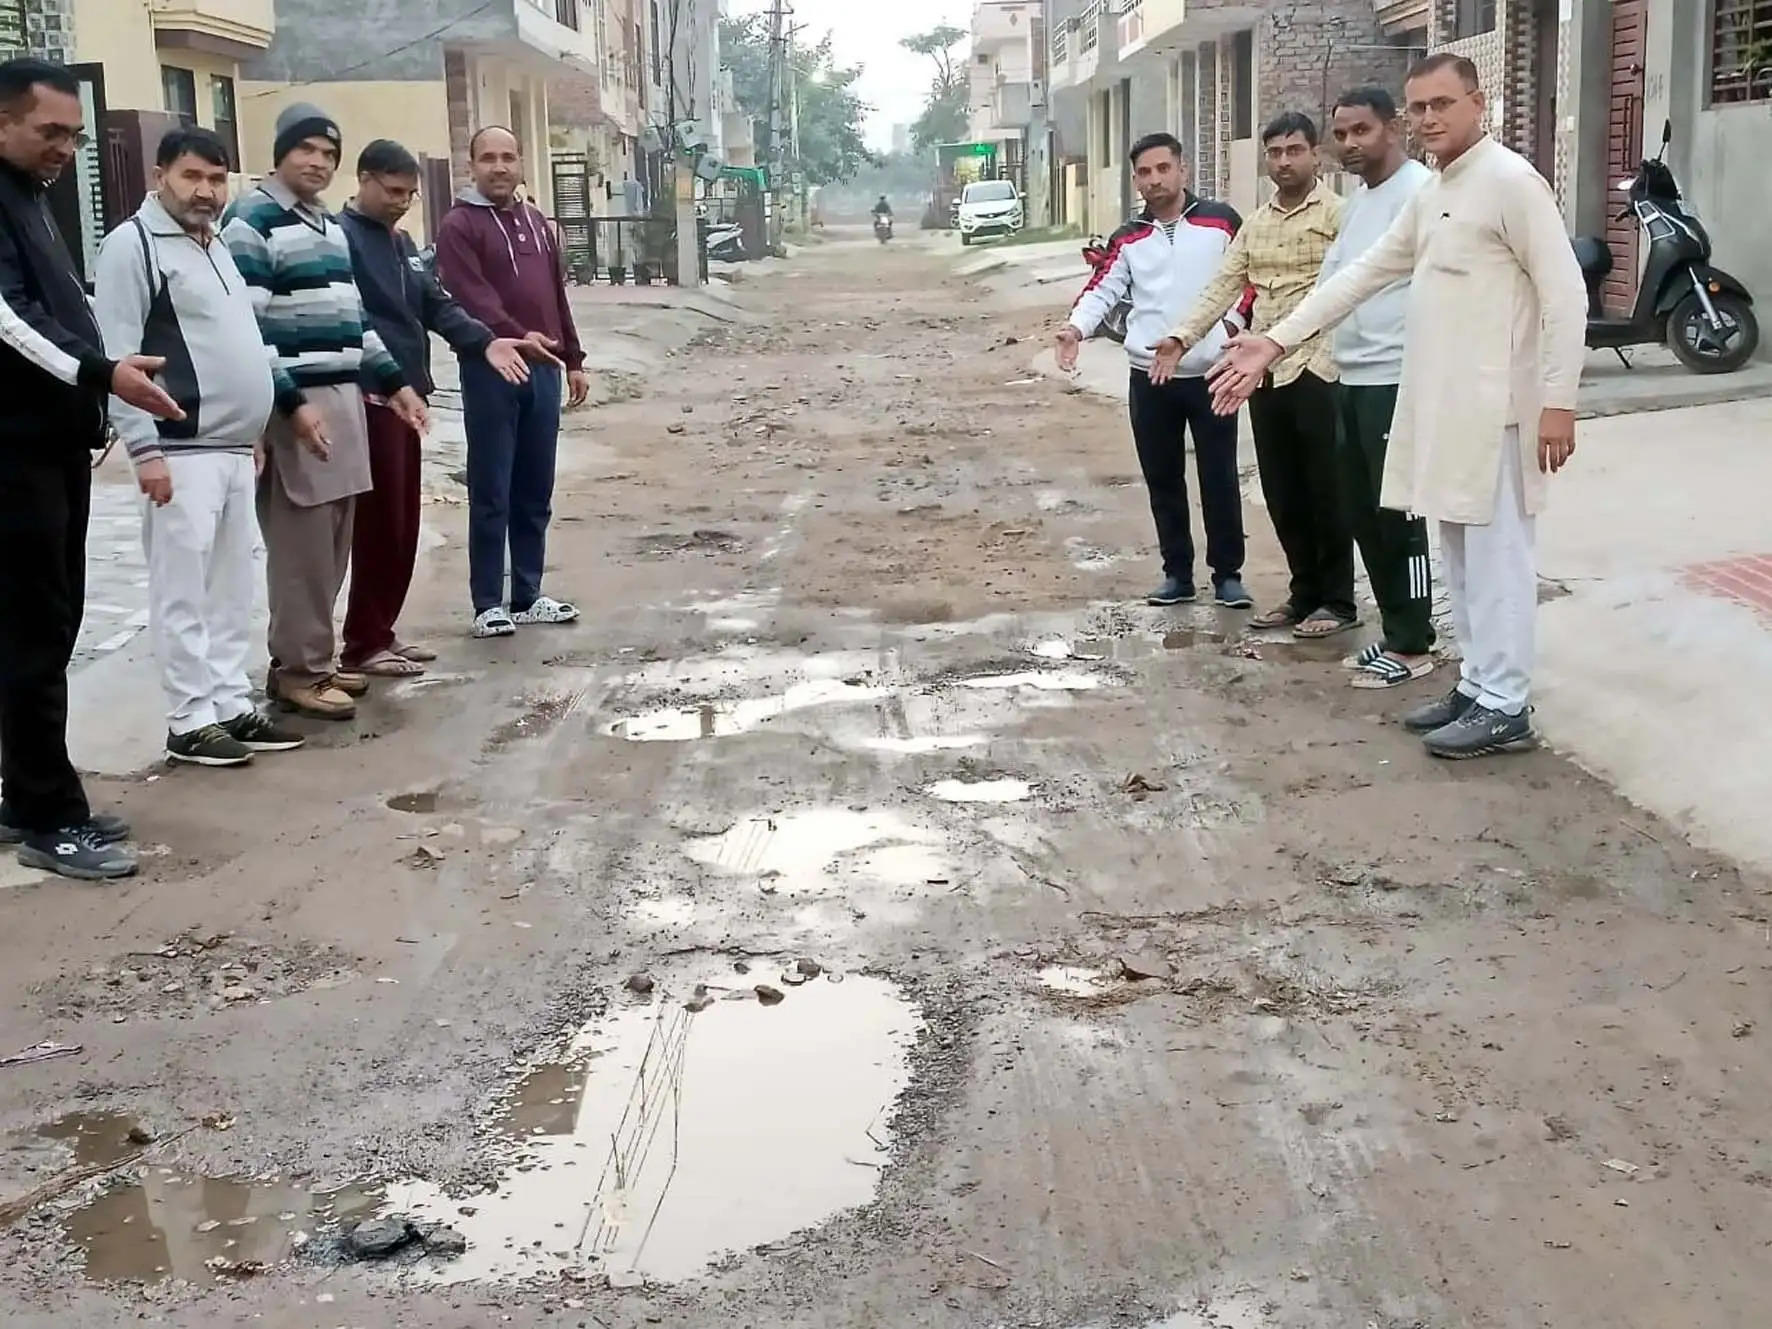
1495,331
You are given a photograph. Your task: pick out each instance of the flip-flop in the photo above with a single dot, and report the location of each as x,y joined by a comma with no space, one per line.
389,664
1283,617
1387,671
1333,625
422,654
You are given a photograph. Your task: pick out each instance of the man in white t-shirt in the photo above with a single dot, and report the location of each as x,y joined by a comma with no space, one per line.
1368,347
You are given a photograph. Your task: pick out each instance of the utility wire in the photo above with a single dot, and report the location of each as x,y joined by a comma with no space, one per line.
336,76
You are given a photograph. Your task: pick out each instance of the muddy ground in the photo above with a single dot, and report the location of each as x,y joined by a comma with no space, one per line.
1018,955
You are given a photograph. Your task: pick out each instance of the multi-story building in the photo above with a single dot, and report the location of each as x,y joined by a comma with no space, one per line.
599,115
1006,74
425,72
1211,72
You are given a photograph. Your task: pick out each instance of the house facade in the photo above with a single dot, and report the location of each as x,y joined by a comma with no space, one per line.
1007,106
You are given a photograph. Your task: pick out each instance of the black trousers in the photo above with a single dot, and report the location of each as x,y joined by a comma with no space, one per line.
1161,417
45,497
1392,544
1295,446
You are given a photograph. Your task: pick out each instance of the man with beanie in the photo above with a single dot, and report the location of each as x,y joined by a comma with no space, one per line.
54,379
498,257
295,259
405,303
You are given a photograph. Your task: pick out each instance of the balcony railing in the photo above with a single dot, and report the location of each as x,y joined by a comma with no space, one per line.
563,12
1090,23
1061,46
1131,24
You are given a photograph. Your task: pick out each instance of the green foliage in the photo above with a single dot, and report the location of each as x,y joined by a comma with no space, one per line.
831,113
945,109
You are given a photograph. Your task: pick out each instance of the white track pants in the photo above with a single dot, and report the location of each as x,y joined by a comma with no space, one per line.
1492,581
204,560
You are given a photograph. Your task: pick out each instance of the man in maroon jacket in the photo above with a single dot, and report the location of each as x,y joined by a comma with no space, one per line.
499,259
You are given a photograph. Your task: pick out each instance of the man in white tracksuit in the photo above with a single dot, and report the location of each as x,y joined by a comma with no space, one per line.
166,286
1486,408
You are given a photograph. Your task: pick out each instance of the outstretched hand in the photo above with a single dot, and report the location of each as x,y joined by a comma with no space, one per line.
1166,359
1067,343
1240,370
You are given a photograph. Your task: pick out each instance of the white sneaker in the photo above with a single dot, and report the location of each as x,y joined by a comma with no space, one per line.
546,609
495,622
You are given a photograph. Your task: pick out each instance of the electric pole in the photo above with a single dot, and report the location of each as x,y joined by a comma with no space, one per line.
778,61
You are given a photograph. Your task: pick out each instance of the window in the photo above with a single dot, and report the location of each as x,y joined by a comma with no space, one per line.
988,191
1474,18
1243,85
179,89
566,11
657,68
227,124
1741,52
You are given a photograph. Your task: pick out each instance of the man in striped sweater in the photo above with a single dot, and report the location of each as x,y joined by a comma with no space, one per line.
296,261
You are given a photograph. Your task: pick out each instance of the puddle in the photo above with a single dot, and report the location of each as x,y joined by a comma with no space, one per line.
807,852
980,791
689,1136
1187,639
720,719
1057,680
925,743
418,800
171,1223
1074,980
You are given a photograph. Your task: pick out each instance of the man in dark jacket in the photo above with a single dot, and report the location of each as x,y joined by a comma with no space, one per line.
405,304
54,382
497,256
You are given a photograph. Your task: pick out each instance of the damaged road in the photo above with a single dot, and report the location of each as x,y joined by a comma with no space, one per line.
865,916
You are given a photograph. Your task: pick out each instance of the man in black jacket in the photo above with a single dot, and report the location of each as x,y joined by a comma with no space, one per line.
54,383
405,304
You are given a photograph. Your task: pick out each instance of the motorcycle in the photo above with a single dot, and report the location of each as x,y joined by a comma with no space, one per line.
1113,327
1705,316
882,228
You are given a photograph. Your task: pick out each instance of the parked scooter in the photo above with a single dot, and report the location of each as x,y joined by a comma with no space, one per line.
1113,327
726,243
882,228
1704,315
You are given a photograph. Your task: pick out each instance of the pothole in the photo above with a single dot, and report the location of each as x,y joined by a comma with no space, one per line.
1187,639
980,791
819,849
193,973
416,800
1075,980
1055,680
667,1138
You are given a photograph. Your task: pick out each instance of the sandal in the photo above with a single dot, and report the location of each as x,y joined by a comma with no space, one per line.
422,654
1283,617
1365,656
546,609
1392,671
494,622
1323,623
389,664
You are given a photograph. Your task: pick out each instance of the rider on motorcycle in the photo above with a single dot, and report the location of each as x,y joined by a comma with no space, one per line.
883,209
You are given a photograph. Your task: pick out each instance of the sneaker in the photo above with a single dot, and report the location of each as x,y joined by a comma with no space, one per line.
1232,594
259,733
546,609
79,852
494,622
1481,731
110,829
209,746
1437,714
1173,591
318,700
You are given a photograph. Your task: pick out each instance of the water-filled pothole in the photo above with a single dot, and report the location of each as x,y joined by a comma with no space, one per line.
814,850
980,791
720,719
415,800
666,1138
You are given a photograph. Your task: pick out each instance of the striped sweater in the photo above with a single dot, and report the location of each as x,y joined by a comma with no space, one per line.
297,264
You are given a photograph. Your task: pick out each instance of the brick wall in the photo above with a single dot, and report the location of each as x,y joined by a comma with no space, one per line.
457,94
49,29
1306,56
1210,167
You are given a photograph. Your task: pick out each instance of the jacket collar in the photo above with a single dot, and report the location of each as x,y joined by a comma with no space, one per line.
29,183
1319,194
285,197
159,221
1462,162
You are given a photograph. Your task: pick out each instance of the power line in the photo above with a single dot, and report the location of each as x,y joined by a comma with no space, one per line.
336,76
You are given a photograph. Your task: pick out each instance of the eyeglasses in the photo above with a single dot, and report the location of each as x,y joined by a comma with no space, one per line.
59,135
1438,105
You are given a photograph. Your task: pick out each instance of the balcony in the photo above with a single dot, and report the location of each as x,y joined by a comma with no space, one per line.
555,29
240,29
1167,25
1000,23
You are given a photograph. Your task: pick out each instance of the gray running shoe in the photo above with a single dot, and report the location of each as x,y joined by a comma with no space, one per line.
1437,714
1481,731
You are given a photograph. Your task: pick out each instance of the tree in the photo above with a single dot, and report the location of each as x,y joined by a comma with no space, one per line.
831,114
946,110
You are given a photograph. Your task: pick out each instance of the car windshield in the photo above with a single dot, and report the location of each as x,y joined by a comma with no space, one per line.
989,191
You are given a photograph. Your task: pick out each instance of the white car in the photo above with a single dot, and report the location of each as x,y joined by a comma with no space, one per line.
989,207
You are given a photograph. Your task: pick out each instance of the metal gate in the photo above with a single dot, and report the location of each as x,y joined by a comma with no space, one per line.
572,210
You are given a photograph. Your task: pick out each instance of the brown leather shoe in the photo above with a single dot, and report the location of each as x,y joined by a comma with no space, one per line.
319,701
350,682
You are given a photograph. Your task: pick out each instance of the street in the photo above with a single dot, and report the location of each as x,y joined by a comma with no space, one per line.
872,914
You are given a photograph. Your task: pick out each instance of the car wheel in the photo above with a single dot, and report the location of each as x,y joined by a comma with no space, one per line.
965,239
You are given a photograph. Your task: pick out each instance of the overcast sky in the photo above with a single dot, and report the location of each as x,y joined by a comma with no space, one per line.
866,33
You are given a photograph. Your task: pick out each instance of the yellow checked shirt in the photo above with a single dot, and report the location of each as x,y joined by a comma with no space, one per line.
1279,254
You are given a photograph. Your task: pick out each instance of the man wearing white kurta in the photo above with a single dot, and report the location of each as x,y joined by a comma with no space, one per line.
1495,328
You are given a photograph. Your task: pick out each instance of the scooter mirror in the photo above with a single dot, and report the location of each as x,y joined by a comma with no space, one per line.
1667,132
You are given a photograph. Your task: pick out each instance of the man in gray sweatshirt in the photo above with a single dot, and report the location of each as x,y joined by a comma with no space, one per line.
166,286
1369,358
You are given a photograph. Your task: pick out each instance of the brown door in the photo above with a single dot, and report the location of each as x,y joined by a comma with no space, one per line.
1624,148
